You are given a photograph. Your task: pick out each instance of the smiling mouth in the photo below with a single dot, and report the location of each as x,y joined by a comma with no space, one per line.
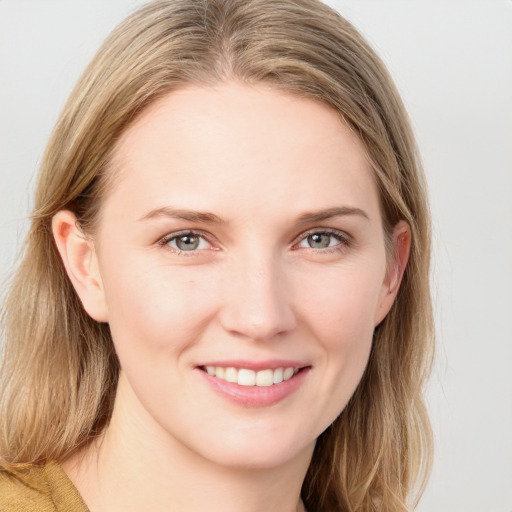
247,377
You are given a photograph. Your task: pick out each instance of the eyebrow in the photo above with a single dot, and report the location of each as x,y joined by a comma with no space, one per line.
329,213
211,218
192,216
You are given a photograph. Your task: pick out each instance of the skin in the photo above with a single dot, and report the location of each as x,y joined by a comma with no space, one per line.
254,289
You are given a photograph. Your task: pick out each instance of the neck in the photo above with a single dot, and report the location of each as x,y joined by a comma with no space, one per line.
133,467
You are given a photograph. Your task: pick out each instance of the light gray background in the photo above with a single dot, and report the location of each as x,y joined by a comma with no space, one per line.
452,60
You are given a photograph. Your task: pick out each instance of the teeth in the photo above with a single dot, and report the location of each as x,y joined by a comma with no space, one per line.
265,378
231,374
288,373
278,375
246,377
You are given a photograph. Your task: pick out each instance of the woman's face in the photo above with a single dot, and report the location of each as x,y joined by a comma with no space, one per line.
242,260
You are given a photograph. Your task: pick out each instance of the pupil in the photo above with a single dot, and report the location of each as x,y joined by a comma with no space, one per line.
318,241
187,242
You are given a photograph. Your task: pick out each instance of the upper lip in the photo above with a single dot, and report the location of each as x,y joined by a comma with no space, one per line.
270,364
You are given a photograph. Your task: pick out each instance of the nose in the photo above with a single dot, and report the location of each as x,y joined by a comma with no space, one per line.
256,300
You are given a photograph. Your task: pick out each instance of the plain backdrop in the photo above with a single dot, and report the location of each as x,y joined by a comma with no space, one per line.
452,61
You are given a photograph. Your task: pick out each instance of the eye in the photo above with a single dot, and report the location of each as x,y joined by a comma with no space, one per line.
323,240
186,242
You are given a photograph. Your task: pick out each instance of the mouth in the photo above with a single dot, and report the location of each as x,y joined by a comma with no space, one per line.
251,378
254,384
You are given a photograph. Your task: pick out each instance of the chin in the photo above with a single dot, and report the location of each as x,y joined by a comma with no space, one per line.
259,452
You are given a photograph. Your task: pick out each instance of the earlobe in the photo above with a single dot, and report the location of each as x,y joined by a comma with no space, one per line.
79,257
401,240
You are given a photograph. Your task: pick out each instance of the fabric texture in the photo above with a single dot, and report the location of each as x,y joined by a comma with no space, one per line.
40,489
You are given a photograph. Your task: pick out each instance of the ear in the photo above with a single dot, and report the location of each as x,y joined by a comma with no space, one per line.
401,240
80,261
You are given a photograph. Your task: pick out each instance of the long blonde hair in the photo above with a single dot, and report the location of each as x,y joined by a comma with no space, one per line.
59,370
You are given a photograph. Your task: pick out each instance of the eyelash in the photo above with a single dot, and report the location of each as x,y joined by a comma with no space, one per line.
344,241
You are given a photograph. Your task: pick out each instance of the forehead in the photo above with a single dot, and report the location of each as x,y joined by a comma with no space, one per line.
206,145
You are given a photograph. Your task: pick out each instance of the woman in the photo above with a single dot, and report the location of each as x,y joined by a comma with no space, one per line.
224,297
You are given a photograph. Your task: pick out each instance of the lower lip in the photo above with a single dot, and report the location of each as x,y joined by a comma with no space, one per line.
255,396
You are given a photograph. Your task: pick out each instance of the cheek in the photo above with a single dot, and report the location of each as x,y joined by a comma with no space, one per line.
341,304
340,316
161,309
346,332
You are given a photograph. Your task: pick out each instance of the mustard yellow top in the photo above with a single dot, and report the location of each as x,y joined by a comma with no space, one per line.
40,489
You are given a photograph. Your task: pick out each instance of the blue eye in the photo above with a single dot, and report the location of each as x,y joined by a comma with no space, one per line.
186,242
322,240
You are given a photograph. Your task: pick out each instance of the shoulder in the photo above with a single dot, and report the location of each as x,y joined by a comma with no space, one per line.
24,490
39,489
